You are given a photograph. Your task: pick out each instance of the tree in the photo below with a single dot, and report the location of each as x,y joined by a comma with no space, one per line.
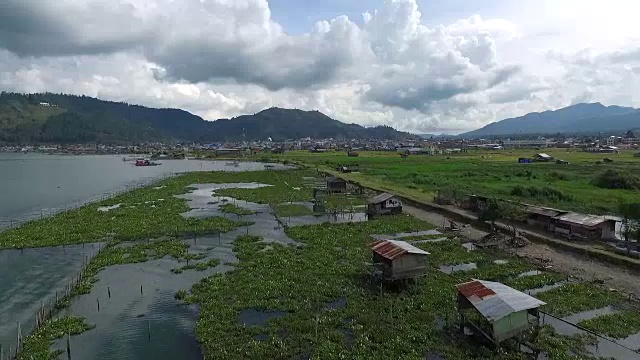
630,213
491,211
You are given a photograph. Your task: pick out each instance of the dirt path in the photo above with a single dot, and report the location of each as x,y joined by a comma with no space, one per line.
613,276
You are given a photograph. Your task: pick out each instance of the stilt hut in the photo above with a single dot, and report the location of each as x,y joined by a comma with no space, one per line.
384,204
503,312
336,185
398,260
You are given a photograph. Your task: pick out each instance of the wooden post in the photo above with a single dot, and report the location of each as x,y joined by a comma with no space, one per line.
141,293
19,338
109,291
149,329
68,346
98,302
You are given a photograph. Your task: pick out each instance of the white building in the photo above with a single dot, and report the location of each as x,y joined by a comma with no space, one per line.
530,143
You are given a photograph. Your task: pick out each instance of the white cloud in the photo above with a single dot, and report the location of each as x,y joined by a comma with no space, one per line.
223,58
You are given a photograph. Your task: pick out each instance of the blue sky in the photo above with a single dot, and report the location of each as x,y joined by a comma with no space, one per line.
298,16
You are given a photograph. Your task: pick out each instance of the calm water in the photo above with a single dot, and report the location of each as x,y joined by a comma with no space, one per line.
35,184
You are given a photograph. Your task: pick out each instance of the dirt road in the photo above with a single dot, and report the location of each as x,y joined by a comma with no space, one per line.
613,276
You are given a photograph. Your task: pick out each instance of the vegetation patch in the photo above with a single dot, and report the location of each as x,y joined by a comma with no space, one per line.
376,323
574,298
535,281
619,326
36,345
616,179
285,210
545,192
149,212
235,209
199,266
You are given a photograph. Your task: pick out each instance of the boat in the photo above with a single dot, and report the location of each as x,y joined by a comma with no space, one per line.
146,162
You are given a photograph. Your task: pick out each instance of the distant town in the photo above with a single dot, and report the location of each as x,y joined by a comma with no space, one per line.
432,146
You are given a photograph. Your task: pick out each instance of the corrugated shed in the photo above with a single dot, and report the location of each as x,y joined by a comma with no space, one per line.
495,300
380,198
582,219
391,249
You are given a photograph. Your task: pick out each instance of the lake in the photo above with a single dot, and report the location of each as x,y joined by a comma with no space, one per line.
33,185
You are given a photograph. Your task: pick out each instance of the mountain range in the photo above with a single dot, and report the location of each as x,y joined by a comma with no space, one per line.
575,119
59,118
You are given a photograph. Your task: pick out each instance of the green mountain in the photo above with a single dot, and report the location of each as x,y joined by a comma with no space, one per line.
579,118
58,118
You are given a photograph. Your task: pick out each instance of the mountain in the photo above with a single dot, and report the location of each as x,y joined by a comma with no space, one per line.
58,118
579,118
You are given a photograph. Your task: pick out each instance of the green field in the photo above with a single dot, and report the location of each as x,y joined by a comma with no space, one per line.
491,173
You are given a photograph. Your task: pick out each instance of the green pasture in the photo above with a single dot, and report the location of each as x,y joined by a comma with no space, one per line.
494,173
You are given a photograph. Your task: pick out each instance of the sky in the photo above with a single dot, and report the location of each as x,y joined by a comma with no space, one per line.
423,66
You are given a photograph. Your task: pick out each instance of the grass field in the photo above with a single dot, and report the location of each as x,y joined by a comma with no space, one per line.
491,173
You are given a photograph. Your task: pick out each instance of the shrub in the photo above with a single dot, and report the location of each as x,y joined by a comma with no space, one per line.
545,192
556,175
614,179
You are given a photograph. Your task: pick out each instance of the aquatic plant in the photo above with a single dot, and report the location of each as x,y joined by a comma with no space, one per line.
619,325
37,345
285,210
573,298
235,209
375,322
199,266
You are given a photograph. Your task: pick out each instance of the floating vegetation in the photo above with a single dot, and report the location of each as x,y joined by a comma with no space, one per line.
285,210
36,345
303,290
573,298
235,209
124,223
535,281
199,266
619,325
180,295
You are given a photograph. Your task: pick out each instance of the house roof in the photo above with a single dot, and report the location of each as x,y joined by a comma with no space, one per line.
391,249
582,219
495,300
543,155
334,179
380,198
545,211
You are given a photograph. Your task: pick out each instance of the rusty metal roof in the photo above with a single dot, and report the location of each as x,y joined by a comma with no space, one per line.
380,198
391,249
545,211
495,300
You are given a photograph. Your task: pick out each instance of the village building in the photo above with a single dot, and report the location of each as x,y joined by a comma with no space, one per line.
505,312
543,157
384,204
336,185
573,225
399,260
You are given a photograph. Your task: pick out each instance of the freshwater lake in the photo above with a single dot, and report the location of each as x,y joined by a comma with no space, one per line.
32,185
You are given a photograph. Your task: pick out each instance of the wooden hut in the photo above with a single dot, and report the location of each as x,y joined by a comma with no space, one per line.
336,185
505,312
398,260
384,204
352,154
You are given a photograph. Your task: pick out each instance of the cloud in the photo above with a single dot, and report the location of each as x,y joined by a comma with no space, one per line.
223,58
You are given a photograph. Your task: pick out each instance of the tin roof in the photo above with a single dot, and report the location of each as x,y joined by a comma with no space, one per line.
545,211
380,198
495,300
582,219
391,249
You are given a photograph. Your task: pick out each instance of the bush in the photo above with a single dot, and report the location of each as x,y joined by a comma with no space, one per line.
614,179
555,175
545,192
